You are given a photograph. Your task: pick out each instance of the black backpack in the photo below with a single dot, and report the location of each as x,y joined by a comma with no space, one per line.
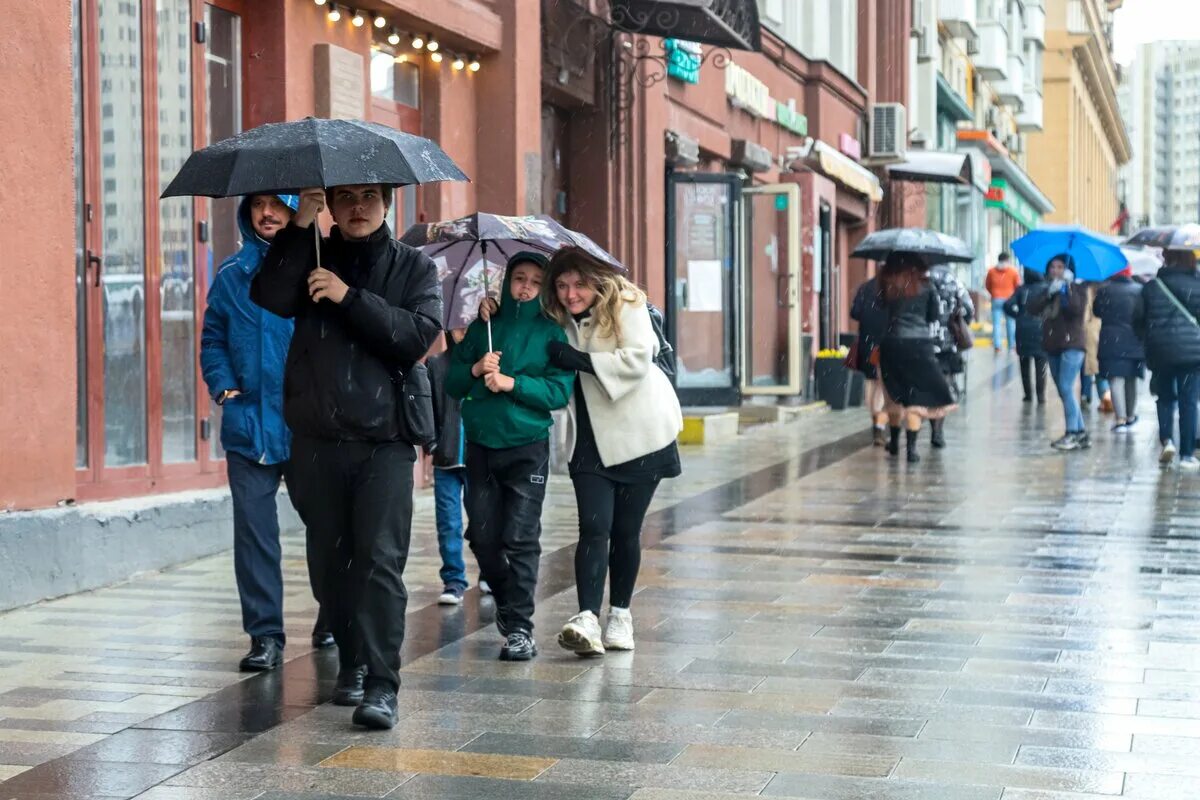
666,354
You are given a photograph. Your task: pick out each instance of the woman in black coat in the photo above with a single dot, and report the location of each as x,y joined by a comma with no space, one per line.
1029,336
869,311
912,377
1122,355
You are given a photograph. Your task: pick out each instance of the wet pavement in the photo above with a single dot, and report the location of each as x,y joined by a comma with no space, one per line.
813,621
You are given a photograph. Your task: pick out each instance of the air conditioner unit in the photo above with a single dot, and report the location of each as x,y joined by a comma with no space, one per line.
889,130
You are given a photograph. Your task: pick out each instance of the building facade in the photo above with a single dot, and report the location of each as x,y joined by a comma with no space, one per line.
1160,102
734,183
1084,143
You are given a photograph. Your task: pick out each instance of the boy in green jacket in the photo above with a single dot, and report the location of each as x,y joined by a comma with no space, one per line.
507,396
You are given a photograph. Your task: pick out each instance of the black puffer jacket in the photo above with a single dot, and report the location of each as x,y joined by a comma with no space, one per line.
1172,340
1029,325
1114,305
871,315
1062,308
914,317
338,383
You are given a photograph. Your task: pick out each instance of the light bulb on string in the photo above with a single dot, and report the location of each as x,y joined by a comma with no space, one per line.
474,65
334,13
433,45
319,2
418,43
394,37
458,64
379,21
437,57
358,19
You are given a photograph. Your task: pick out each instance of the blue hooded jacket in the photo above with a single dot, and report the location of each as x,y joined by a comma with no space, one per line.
244,347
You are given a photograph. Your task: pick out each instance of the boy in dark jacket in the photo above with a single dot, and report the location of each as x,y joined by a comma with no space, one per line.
507,395
1029,336
449,474
1062,308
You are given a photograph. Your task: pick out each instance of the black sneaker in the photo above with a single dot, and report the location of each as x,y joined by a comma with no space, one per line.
1068,441
266,653
349,688
378,708
519,646
1082,440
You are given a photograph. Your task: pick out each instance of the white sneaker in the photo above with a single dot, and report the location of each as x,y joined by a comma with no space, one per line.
1189,463
484,588
1168,452
619,633
581,635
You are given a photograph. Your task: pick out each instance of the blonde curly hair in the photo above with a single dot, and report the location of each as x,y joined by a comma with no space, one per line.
611,286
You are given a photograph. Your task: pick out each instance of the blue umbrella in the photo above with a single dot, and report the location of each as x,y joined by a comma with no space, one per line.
1092,257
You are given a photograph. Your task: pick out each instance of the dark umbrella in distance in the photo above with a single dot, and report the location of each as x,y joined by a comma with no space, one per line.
931,247
1168,237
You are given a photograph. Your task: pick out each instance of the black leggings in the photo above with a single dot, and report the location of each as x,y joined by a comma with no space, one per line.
610,529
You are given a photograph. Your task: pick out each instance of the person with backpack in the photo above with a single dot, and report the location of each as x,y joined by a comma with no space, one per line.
1122,355
956,312
626,418
449,458
1165,317
1030,351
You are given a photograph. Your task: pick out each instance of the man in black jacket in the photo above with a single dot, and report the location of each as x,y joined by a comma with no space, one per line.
1164,316
363,316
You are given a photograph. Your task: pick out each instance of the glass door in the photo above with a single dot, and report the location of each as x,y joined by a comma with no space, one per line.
770,290
701,312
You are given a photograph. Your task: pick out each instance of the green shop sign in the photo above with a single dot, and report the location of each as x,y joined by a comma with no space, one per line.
683,60
1002,197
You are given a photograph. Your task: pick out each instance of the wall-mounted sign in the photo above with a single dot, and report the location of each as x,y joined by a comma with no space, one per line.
683,60
748,92
1001,196
339,82
850,146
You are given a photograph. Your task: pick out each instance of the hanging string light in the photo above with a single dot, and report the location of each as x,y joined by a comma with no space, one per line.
458,64
418,42
319,2
394,37
358,19
334,13
379,21
474,65
433,45
437,57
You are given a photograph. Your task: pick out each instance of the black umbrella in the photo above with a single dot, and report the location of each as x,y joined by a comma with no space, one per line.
1168,237
931,246
286,157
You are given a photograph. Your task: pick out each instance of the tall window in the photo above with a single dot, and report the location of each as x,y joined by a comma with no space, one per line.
81,265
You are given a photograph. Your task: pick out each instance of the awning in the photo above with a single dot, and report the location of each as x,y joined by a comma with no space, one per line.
724,23
1019,180
951,102
930,166
847,171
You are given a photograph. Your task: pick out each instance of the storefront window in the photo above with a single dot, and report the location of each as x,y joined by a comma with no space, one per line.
177,288
399,82
122,208
81,373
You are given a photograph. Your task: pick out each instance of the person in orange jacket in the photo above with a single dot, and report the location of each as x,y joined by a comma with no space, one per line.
1002,282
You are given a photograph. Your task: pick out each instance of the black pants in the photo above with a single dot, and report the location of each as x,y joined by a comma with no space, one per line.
505,490
256,550
1032,366
356,500
610,531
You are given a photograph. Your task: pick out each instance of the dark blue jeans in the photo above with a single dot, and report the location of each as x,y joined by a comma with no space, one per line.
256,550
1182,389
448,488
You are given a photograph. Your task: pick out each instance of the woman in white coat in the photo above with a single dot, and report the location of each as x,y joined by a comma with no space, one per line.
626,419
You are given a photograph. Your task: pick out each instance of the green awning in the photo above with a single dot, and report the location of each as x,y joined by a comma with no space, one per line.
951,103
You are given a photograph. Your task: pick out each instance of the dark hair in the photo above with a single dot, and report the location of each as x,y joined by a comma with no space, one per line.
902,276
1004,256
1063,257
1179,259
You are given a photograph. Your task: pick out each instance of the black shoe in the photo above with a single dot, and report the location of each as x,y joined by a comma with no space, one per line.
910,438
1083,440
323,640
893,445
266,653
1026,399
938,439
520,646
378,708
349,688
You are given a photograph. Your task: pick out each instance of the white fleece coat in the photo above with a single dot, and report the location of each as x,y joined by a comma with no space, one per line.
632,406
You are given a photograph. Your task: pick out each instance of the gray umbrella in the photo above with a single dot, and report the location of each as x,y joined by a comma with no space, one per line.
286,157
931,246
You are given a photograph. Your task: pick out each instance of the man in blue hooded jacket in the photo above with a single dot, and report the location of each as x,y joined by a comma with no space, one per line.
242,353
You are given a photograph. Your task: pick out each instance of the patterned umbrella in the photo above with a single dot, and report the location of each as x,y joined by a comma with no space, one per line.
931,246
471,252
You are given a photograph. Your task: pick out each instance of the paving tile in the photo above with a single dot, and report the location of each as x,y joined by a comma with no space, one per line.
592,749
1109,762
904,747
818,763
955,772
74,779
441,762
577,771
234,777
439,787
837,788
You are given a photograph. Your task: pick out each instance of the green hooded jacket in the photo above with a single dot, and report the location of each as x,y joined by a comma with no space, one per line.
520,331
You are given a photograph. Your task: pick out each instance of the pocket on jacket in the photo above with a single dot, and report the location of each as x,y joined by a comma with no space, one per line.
239,428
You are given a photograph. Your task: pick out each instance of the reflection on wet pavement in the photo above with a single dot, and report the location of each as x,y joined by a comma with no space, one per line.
813,621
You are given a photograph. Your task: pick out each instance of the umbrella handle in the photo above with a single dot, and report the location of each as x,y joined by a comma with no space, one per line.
317,241
489,327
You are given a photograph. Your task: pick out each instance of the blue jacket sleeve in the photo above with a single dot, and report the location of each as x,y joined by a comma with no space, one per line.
215,361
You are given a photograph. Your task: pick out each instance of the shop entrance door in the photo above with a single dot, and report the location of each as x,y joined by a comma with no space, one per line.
770,275
701,307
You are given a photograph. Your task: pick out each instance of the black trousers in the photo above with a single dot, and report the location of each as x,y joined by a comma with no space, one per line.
505,491
356,500
610,538
1034,368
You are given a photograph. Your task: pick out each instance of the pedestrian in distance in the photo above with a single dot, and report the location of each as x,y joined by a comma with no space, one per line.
912,377
1030,350
954,309
625,422
1165,317
449,458
1001,283
870,312
1062,308
242,354
1093,382
365,315
508,391
1121,353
